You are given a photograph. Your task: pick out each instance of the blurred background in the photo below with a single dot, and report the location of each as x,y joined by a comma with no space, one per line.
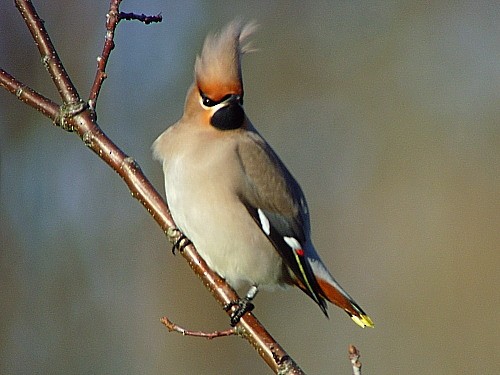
387,112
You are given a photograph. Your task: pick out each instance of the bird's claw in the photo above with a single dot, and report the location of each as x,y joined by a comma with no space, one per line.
180,243
243,306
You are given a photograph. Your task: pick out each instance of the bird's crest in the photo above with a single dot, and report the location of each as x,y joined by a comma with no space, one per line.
218,68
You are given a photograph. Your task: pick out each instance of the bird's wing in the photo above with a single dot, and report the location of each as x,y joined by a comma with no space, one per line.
278,206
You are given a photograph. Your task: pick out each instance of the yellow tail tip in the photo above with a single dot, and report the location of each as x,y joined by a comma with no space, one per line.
363,321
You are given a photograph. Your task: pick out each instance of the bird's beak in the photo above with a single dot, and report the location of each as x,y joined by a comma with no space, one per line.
234,99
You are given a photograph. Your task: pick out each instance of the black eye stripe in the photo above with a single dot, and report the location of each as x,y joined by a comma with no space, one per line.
210,103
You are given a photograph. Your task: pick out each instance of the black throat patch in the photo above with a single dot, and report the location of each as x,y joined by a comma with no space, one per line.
229,117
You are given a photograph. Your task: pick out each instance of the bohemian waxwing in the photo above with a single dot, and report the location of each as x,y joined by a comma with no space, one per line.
231,195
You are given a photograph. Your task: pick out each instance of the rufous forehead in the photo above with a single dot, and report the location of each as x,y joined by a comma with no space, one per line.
218,91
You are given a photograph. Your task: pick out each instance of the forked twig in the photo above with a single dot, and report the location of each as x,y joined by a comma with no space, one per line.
172,327
113,17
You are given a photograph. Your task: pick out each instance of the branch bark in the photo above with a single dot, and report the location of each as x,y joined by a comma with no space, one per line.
79,116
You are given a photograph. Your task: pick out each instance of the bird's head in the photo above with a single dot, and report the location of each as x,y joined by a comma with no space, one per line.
217,93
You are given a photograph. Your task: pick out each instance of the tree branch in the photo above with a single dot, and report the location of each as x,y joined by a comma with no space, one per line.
75,115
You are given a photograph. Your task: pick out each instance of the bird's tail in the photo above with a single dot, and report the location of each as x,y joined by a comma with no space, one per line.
331,290
334,293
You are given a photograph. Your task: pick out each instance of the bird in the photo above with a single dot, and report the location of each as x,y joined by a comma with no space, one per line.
231,195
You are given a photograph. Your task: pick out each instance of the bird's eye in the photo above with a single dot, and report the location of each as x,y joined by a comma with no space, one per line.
207,101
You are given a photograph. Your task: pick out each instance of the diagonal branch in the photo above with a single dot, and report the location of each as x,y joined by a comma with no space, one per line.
76,116
28,96
50,59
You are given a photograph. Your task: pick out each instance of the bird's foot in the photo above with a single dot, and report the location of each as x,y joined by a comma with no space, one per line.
243,306
180,243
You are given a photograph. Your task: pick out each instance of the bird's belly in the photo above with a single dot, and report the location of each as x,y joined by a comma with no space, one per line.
224,233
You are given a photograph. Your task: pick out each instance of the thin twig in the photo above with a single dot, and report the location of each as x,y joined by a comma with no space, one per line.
112,20
172,327
80,118
141,17
354,355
